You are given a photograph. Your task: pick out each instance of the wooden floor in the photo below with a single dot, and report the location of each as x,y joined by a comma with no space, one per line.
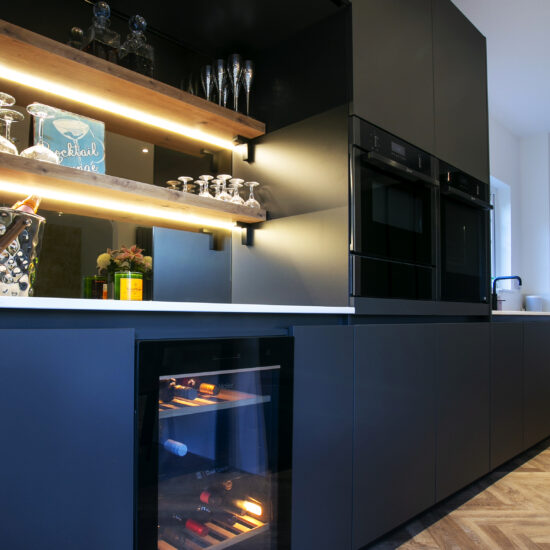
507,509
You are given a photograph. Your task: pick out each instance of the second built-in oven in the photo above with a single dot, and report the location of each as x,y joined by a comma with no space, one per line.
393,216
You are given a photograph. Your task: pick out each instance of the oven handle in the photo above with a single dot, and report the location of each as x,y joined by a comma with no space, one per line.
464,197
386,163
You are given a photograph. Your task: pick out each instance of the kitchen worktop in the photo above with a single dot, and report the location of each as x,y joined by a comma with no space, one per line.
158,306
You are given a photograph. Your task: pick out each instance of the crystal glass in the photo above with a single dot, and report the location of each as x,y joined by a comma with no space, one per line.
203,182
185,183
247,77
173,184
236,184
9,116
100,40
40,151
252,202
216,185
234,69
220,78
135,54
207,80
6,100
224,195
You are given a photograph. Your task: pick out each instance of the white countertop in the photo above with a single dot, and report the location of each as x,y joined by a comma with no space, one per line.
191,307
527,313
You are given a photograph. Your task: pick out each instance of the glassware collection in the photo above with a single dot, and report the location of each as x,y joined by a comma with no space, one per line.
38,151
221,79
225,188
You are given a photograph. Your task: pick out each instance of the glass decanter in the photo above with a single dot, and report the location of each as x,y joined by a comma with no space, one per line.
135,53
100,40
77,38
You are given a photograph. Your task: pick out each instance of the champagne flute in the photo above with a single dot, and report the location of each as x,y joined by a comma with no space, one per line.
40,151
234,68
206,79
9,116
252,202
247,77
220,78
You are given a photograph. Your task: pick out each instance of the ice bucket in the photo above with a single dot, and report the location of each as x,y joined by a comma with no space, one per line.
20,242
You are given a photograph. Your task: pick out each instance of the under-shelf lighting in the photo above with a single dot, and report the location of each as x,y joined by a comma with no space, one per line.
50,86
115,206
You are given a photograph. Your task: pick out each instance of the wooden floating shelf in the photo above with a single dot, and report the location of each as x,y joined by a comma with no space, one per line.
226,399
28,53
102,196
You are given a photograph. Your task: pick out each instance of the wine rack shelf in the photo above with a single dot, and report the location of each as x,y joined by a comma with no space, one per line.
222,537
103,196
36,68
226,399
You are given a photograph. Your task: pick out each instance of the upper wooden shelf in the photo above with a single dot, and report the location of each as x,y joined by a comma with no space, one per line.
60,65
101,196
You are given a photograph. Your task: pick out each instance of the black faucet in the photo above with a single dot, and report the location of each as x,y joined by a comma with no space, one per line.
494,304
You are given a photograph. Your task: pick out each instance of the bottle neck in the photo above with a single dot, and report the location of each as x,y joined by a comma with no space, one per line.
101,22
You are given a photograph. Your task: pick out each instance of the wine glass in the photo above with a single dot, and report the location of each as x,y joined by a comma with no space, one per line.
185,182
220,78
216,185
252,202
9,116
234,68
206,79
173,184
40,151
247,77
236,184
224,195
203,182
6,100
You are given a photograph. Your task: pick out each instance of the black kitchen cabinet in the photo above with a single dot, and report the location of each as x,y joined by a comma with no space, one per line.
460,91
392,67
322,441
506,392
394,432
67,424
463,405
536,382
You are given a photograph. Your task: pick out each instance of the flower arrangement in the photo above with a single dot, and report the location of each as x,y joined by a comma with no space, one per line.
124,259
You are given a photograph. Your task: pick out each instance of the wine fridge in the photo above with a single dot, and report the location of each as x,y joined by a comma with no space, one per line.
214,432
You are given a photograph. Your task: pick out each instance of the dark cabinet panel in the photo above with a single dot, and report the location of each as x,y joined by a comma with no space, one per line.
537,382
394,450
322,442
460,91
506,392
67,424
463,405
392,67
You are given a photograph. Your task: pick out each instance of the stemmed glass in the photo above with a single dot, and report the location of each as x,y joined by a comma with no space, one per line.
6,146
247,77
203,182
40,151
9,116
224,195
206,79
236,184
220,78
234,68
252,202
216,185
185,182
173,184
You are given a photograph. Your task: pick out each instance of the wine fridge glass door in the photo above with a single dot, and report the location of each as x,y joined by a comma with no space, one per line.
214,467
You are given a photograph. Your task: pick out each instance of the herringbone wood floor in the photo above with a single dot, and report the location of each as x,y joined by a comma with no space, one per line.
507,509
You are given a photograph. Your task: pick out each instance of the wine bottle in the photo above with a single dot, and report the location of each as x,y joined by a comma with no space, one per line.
175,447
172,536
203,387
195,526
29,205
211,497
168,389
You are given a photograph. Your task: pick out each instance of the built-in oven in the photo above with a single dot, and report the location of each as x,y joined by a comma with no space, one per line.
464,236
393,216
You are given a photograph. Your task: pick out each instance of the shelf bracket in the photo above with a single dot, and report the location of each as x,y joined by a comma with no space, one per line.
247,234
216,239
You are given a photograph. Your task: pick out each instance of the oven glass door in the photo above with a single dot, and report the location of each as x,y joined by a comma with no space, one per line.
392,214
463,251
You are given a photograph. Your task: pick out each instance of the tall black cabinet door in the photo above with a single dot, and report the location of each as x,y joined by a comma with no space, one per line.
394,451
537,382
392,67
506,392
460,88
67,425
322,441
463,405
